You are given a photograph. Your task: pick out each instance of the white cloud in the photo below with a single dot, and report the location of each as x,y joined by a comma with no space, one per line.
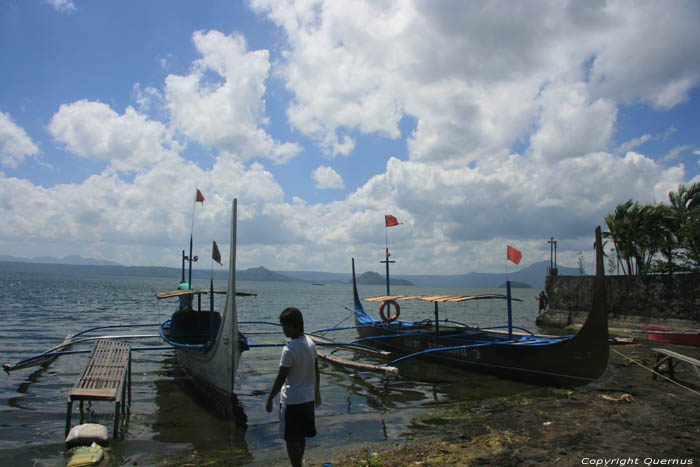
645,53
326,178
633,143
15,145
339,68
62,5
675,152
148,99
570,124
129,142
221,102
480,77
142,221
454,219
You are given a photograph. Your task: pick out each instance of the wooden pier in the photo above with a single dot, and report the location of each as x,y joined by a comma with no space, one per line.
106,377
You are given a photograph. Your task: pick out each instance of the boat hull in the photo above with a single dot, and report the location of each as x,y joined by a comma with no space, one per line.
212,386
670,336
567,363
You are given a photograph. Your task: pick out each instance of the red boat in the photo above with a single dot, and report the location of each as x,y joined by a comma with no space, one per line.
671,336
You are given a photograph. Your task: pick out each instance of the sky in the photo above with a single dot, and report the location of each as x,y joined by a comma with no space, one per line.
476,124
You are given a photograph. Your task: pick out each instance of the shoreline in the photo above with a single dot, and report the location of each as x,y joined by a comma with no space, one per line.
625,417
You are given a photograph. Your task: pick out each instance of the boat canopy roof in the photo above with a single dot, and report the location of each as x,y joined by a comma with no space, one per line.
439,298
179,293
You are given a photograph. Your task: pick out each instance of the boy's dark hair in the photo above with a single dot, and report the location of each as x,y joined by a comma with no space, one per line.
293,316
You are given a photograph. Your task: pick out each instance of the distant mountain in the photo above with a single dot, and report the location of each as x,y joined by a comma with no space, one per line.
71,259
252,274
318,276
372,278
533,276
262,274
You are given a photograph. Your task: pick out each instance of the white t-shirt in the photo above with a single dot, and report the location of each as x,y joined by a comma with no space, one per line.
300,356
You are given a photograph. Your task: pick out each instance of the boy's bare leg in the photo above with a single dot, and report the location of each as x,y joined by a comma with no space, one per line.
295,450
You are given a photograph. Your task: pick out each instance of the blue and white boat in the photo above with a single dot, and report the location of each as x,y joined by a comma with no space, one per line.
207,342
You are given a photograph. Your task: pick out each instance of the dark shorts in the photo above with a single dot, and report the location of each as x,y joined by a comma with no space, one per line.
298,420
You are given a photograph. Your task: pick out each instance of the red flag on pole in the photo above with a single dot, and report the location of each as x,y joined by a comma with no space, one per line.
390,220
215,253
514,255
200,197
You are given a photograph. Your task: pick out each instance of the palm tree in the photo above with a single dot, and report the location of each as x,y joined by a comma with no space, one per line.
641,232
618,232
638,234
685,212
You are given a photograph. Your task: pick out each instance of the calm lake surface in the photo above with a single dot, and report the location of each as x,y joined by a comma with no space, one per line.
167,423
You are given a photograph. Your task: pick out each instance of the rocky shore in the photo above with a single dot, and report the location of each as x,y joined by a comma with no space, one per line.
624,418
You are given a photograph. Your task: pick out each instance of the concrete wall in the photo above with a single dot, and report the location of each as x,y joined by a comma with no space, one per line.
632,300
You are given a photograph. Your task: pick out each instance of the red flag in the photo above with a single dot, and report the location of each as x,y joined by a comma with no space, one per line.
390,220
215,253
514,255
200,197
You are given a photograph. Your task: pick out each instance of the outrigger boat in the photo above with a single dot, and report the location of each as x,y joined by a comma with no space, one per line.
566,361
673,336
207,343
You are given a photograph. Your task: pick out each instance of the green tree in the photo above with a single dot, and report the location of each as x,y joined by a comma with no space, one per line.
618,232
685,220
650,238
638,233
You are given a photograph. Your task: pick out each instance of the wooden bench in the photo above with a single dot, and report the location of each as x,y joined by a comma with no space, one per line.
671,359
106,377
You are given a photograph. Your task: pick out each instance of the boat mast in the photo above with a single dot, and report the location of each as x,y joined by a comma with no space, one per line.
183,266
198,198
386,239
231,309
510,311
189,279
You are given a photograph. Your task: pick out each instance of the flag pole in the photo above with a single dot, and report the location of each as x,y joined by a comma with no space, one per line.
194,206
508,300
386,244
189,279
386,258
388,218
194,211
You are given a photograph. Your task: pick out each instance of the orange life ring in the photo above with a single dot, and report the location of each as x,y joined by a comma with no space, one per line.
389,319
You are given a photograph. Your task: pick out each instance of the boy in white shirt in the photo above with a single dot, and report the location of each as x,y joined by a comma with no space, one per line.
298,384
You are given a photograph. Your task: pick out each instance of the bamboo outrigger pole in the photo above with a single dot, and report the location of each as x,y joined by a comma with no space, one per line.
360,366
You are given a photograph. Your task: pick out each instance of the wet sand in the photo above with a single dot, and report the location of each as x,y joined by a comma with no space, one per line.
624,418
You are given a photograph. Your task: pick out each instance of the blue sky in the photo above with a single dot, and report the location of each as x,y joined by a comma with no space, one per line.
476,124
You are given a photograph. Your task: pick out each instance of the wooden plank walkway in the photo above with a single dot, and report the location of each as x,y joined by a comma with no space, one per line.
106,377
671,359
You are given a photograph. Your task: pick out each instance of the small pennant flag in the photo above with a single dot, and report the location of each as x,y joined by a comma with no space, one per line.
514,255
390,220
200,197
215,253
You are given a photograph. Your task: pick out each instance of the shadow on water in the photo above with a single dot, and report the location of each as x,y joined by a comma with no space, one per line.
185,416
23,388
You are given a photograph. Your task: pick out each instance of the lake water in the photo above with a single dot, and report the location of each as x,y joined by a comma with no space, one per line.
167,423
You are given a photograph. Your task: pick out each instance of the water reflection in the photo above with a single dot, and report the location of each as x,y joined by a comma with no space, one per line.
184,416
